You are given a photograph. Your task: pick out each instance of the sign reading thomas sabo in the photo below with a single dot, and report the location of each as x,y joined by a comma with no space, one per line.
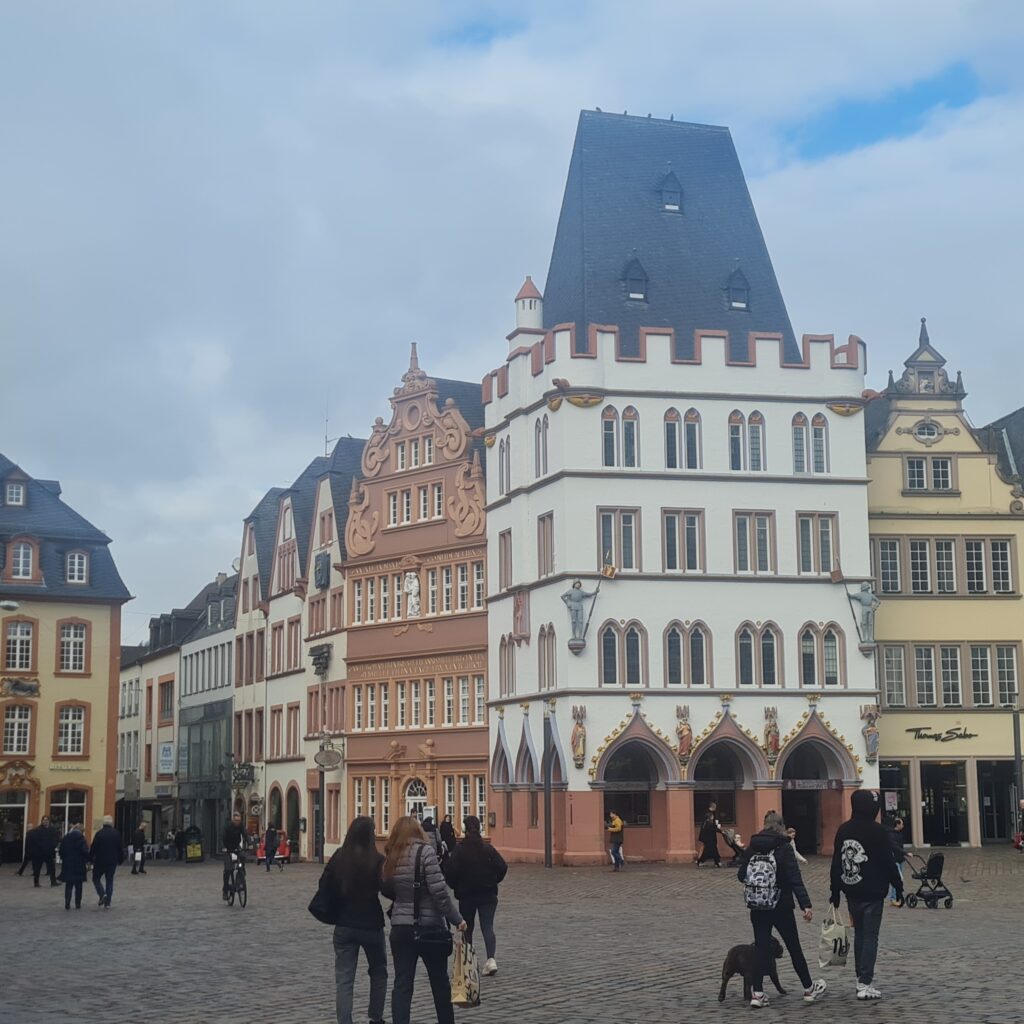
955,733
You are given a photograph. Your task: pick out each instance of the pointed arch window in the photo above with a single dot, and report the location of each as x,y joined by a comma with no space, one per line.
635,650
609,655
755,443
671,193
674,656
501,468
737,447
687,654
769,657
819,444
830,659
691,440
544,444
673,440
630,437
610,437
808,658
508,466
636,280
800,462
698,656
745,660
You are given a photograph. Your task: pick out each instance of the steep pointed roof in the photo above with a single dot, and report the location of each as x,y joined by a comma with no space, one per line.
613,205
264,527
529,290
925,353
344,467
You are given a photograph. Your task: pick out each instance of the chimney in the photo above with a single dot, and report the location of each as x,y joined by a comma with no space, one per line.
222,578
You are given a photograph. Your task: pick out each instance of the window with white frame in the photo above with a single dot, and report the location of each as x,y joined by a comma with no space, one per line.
71,730
756,459
975,566
21,561
19,647
371,705
981,675
431,591
630,437
371,799
385,706
438,500
463,700
889,566
400,697
481,801
920,566
619,529
480,708
691,440
357,796
17,728
467,809
683,537
754,534
357,601
414,453
819,444
385,802
371,600
1002,582
949,672
942,473
737,429
385,598
800,461
430,699
400,458
14,494
449,795
446,589
463,604
414,688
478,584
945,567
72,647
609,437
673,424
1006,672
449,701
924,674
357,707
407,506
424,502
76,567
917,478
393,508
428,451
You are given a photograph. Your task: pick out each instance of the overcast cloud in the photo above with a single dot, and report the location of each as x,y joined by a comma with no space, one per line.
219,220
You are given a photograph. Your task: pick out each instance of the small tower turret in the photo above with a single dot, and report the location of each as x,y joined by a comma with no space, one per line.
529,306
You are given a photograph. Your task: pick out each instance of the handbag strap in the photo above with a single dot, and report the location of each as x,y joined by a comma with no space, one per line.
416,887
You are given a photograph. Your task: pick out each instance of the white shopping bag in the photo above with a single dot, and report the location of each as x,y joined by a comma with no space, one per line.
835,940
138,856
465,976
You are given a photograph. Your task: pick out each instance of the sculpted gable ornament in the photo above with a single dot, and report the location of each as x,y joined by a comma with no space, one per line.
361,528
466,506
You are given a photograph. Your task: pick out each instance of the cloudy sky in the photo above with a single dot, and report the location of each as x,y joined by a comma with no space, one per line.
220,221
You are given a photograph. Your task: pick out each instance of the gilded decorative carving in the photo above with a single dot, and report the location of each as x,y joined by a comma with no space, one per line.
684,734
489,441
361,529
554,404
845,408
466,505
771,734
17,775
578,739
870,714
584,401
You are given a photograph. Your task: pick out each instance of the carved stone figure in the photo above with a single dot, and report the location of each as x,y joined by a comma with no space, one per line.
771,734
362,525
521,615
578,739
869,714
684,733
411,587
574,599
19,688
869,602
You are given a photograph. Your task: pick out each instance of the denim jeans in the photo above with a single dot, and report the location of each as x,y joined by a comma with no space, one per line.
404,954
104,875
469,909
783,920
347,943
617,854
867,920
892,888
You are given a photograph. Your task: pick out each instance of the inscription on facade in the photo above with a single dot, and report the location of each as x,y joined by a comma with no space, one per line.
418,666
958,732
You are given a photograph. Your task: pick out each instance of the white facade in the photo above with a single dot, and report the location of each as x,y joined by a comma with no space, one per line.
608,410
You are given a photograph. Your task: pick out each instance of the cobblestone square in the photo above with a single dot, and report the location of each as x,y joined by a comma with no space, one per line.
580,945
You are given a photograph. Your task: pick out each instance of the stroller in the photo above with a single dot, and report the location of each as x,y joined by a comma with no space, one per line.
932,889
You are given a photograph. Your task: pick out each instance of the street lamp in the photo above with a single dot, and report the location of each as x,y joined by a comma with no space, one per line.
327,757
9,606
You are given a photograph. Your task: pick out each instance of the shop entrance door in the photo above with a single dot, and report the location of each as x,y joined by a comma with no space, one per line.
944,789
801,809
12,825
995,792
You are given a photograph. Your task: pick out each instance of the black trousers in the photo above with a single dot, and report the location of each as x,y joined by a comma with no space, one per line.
72,887
51,868
468,908
783,920
404,955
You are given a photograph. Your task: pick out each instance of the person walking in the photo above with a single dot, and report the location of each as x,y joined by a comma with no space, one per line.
474,871
106,853
352,878
412,878
894,830
863,867
771,878
44,851
74,859
233,840
29,847
433,836
269,845
139,850
180,843
708,839
449,838
616,833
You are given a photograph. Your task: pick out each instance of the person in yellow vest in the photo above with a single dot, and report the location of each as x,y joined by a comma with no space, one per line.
616,828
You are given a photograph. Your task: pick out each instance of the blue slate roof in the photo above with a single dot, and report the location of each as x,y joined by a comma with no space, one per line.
59,529
613,212
264,524
346,460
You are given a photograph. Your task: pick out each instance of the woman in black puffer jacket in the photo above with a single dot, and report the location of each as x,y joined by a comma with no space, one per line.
474,871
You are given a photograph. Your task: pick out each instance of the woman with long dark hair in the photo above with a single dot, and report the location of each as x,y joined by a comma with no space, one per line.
474,871
353,877
406,848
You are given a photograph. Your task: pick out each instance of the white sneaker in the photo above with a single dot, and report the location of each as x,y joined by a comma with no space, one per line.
758,1000
491,967
867,991
816,991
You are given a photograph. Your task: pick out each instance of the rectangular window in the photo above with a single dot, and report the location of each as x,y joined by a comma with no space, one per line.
630,446
819,448
755,449
478,584
949,664
894,677
975,558
385,804
466,808
945,567
670,529
431,698
400,462
371,799
1001,580
981,676
72,648
431,591
19,647
414,687
916,478
505,559
889,566
754,536
414,453
464,700
371,705
385,706
406,506
385,598
371,600
76,571
428,451
446,589
920,562
545,544
449,701
816,539
357,796
742,531
357,707
619,539
15,494
17,728
1006,670
924,668
357,602
463,587
449,794
438,501
942,474
424,501
682,533
400,690
481,802
799,448
608,442
480,707
393,508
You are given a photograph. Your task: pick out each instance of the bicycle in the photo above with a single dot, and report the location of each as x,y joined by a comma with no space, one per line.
236,881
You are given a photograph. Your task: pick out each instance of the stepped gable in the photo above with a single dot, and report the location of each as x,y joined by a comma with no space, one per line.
661,209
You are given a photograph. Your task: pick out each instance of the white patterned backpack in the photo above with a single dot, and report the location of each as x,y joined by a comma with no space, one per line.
761,888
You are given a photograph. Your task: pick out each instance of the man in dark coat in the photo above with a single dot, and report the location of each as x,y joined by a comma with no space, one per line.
74,859
44,849
29,847
139,850
270,845
106,853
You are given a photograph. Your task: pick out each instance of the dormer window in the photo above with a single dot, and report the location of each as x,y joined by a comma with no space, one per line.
737,291
14,494
636,281
671,193
21,561
77,568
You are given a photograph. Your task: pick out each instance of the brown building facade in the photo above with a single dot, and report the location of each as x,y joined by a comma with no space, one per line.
416,691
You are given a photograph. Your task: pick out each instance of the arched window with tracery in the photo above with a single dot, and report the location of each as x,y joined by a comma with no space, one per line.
630,437
770,647
536,448
609,655
699,660
819,444
737,429
609,436
745,656
635,659
808,657
800,464
692,454
674,655
756,459
830,656
673,440
544,445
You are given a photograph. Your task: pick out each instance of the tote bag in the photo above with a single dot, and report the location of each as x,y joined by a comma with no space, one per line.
835,941
465,976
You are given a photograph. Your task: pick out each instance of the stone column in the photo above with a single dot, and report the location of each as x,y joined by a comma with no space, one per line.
916,796
585,832
973,804
681,835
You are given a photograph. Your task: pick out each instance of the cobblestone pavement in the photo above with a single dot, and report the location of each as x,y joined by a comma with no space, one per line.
581,945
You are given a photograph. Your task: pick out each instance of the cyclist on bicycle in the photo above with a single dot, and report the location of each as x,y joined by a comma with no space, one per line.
234,843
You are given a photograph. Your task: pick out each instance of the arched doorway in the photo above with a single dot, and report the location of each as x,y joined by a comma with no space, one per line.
629,777
292,807
717,777
416,798
811,793
274,816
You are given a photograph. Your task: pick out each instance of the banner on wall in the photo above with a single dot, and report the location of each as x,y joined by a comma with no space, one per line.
165,759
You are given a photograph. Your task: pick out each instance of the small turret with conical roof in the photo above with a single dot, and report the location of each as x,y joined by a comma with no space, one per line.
529,306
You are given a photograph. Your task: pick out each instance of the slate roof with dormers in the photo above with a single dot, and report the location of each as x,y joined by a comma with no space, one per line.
346,460
264,527
612,212
303,495
1005,438
213,593
59,529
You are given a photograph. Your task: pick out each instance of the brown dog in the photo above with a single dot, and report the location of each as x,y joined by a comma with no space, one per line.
743,960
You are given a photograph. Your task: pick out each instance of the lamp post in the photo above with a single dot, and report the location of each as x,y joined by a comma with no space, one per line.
327,758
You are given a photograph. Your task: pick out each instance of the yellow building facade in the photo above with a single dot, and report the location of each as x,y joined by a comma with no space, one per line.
60,618
947,530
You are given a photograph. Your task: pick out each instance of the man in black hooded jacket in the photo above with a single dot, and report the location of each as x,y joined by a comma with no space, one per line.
863,867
